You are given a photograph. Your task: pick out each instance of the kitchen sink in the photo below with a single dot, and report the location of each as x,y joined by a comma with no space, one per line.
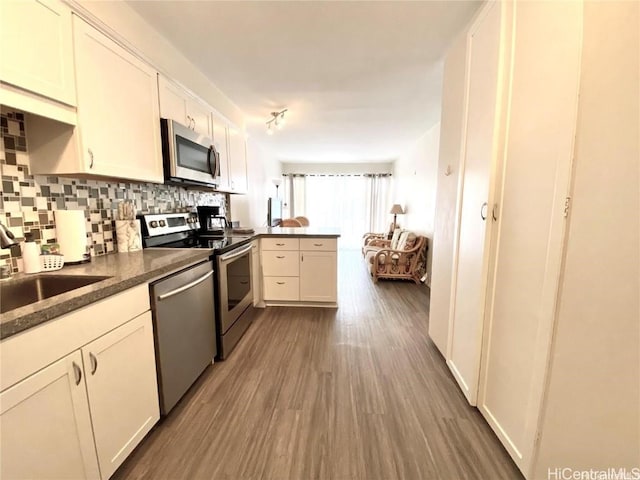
18,293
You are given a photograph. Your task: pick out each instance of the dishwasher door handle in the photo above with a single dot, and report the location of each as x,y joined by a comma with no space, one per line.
164,296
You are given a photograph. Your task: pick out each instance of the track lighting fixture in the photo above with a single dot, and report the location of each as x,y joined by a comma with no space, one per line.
277,121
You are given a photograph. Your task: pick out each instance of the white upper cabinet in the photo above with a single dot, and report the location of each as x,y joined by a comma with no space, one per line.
117,111
36,58
230,143
178,105
36,48
118,132
221,142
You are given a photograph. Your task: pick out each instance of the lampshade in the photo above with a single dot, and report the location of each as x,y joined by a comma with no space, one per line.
397,209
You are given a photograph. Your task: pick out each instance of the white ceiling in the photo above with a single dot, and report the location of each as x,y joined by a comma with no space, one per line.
361,80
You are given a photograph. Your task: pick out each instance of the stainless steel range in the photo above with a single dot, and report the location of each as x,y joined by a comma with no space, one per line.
231,255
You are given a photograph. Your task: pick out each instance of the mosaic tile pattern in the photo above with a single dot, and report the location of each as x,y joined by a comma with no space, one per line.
27,202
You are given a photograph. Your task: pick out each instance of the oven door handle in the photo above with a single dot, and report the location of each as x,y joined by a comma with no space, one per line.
235,254
164,296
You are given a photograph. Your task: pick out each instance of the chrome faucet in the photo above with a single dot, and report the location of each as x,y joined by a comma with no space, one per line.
7,238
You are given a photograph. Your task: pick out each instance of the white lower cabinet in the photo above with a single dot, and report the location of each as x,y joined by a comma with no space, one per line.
318,272
123,394
79,393
285,289
300,270
45,427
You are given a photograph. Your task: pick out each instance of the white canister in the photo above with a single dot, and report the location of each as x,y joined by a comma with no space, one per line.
128,235
31,257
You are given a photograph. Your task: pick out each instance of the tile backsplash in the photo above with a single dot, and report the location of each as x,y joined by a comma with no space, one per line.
27,202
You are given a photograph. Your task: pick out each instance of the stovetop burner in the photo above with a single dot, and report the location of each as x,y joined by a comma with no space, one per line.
182,230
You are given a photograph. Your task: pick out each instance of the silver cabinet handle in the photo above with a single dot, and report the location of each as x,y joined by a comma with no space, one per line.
244,283
94,363
194,123
483,211
318,244
90,158
77,372
164,296
494,212
280,283
279,244
279,256
302,257
188,121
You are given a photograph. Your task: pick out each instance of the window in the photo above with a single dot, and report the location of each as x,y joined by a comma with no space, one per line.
355,204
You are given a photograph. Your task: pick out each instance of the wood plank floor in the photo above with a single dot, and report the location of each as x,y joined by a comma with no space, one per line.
357,392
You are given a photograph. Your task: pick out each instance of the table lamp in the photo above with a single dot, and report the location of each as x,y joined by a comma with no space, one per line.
396,210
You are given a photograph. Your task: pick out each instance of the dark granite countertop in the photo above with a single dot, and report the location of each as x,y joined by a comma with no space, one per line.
125,269
297,232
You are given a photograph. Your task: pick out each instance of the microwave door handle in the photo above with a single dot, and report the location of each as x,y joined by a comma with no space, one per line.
211,153
217,156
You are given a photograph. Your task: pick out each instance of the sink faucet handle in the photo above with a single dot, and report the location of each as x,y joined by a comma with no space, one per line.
6,237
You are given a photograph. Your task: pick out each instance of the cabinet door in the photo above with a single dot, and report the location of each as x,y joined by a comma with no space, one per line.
173,103
472,254
46,427
36,48
117,109
537,170
220,134
200,117
121,383
318,276
237,161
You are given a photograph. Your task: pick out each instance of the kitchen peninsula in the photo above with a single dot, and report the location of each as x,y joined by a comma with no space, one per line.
297,266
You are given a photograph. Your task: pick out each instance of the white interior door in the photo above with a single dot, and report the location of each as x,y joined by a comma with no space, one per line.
475,214
531,227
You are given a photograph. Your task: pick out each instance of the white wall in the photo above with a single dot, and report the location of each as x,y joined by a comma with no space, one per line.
592,414
262,168
414,186
447,191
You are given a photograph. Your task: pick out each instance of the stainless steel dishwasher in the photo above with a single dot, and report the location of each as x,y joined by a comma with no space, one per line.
184,329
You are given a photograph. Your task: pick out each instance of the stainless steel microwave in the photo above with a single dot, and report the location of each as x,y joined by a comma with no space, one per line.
189,157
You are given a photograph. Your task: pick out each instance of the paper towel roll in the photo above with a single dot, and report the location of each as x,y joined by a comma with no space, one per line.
71,233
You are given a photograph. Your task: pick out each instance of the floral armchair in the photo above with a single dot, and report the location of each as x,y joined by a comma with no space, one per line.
401,257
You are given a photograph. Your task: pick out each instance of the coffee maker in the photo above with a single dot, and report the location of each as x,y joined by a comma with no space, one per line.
211,222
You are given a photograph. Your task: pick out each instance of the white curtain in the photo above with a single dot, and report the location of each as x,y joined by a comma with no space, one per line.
355,204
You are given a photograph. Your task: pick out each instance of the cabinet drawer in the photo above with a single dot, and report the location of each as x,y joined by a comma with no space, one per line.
282,288
280,244
318,244
280,264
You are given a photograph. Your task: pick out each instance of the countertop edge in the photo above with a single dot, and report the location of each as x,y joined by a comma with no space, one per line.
50,312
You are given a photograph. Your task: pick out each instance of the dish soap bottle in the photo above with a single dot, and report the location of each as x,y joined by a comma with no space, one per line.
30,254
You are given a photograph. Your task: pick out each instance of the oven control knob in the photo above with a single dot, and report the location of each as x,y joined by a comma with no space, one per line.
153,224
163,223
